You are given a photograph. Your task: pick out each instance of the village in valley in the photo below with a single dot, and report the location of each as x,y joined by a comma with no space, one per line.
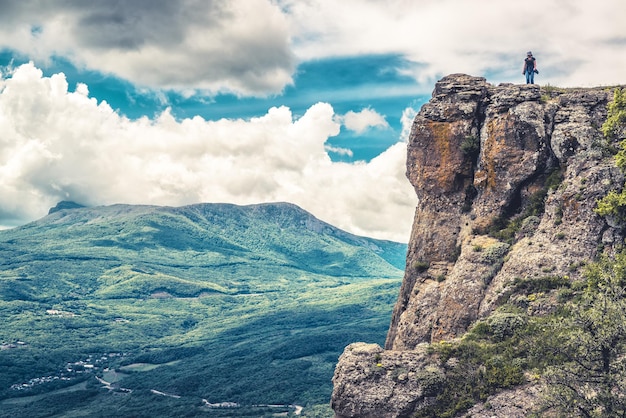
71,372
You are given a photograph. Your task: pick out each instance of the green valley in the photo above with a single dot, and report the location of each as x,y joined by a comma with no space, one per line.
203,310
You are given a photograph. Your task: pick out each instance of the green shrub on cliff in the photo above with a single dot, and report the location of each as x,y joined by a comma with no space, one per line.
614,204
471,146
506,226
616,119
591,338
493,356
578,350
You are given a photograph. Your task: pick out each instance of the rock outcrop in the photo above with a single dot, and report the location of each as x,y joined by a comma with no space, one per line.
480,156
371,378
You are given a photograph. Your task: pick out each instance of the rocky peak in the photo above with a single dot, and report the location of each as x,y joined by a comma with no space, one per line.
63,205
481,156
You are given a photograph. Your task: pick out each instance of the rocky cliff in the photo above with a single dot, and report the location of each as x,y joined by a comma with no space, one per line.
507,179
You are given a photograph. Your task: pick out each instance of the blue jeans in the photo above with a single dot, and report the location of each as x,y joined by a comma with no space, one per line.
530,77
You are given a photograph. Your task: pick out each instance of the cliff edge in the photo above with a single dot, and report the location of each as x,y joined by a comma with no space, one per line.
507,178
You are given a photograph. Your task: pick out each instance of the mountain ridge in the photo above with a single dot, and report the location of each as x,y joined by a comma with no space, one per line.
283,214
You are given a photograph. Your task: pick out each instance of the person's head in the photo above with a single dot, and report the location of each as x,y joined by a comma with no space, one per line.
529,54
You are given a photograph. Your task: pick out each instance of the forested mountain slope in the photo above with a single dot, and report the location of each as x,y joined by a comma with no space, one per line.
209,303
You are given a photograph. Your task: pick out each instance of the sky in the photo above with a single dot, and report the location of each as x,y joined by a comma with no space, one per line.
247,101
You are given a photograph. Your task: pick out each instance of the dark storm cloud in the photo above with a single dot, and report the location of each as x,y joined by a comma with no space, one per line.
241,46
118,23
127,24
15,12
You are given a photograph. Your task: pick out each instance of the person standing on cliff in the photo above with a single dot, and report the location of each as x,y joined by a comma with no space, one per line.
530,68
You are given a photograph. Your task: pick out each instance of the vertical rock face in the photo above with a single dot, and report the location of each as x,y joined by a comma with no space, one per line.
478,156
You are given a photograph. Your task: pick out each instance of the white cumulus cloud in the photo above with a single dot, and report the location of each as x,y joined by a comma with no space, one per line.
576,42
361,121
57,144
